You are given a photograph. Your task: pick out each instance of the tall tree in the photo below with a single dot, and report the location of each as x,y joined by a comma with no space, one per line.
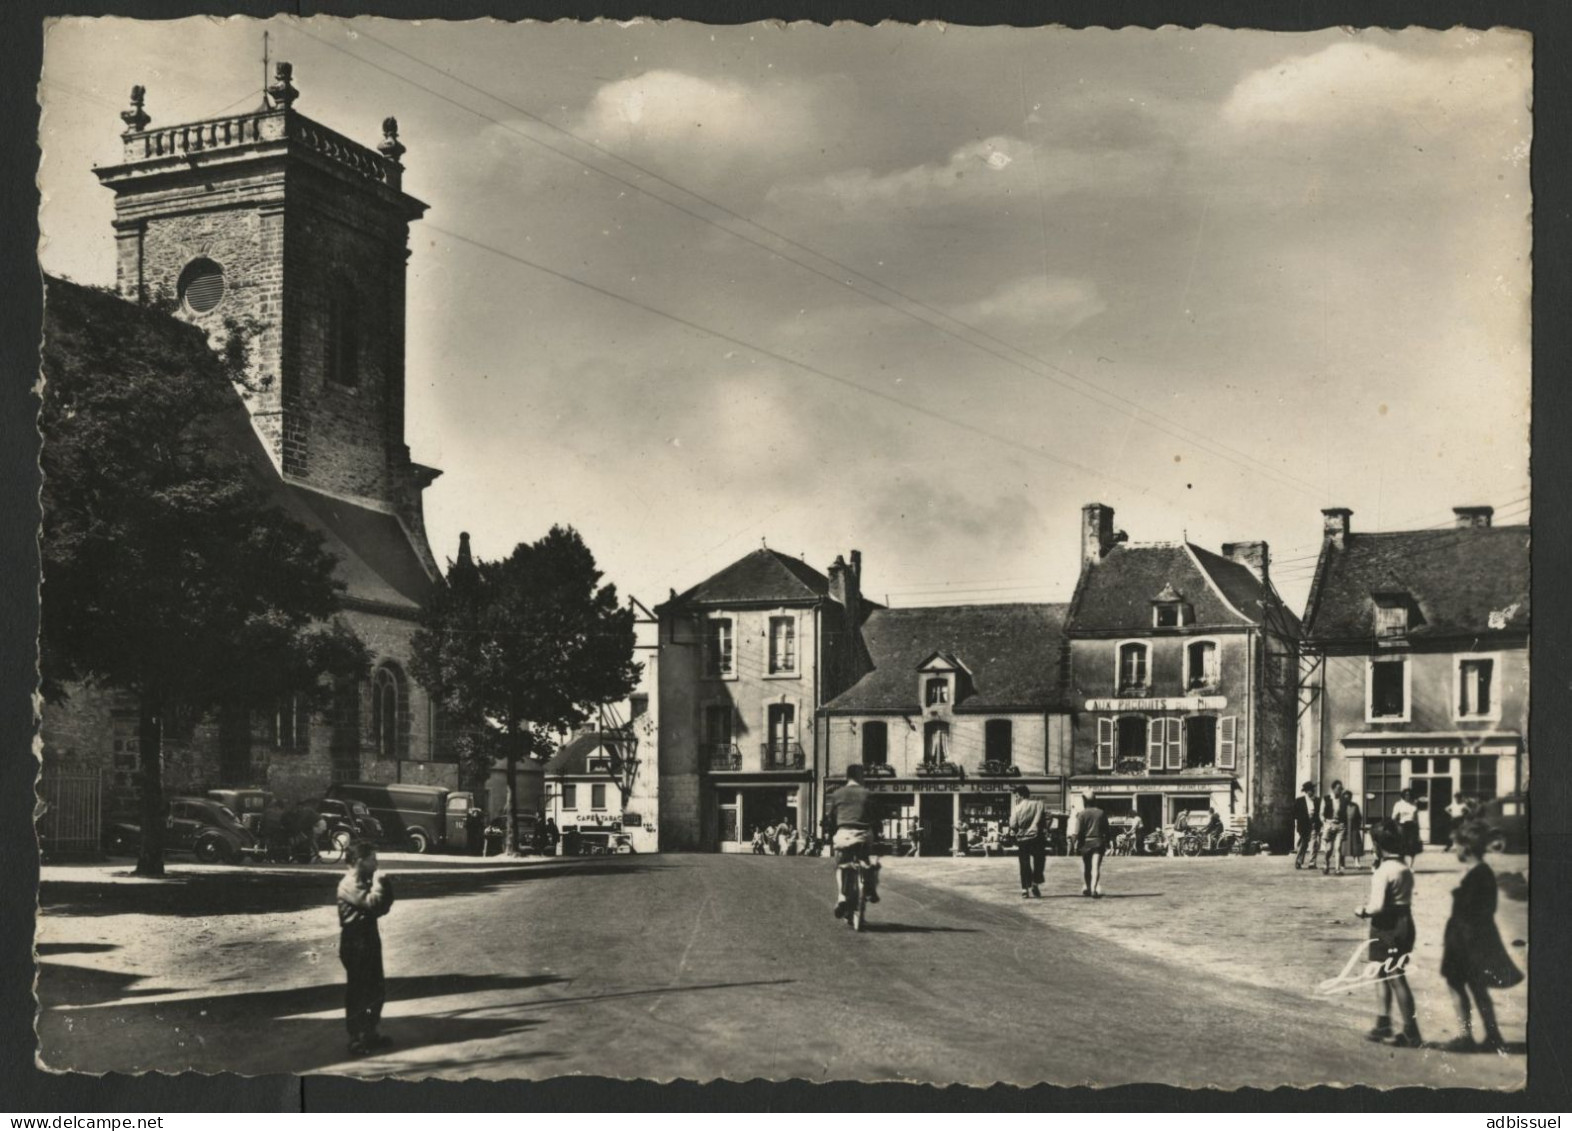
168,569
525,648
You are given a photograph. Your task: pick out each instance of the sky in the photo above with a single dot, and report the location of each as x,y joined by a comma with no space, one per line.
919,291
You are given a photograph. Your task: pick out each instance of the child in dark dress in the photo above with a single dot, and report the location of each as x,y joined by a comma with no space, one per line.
1473,958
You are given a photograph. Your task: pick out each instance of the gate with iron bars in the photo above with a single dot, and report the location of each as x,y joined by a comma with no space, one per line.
72,820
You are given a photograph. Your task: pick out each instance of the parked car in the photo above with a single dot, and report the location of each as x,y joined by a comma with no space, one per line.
1508,821
198,825
420,818
346,821
248,804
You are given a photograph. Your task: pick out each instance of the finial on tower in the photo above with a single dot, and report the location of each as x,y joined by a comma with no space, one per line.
283,90
136,118
391,147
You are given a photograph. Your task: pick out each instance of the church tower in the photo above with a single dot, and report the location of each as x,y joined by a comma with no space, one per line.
269,217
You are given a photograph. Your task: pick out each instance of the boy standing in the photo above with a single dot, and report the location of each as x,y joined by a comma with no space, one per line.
363,898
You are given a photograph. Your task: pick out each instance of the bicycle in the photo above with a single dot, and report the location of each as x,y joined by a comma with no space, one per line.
853,864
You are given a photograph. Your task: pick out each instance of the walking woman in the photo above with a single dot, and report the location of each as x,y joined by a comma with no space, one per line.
1473,958
1390,911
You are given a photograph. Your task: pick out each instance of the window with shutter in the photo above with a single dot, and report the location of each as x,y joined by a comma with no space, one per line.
1227,741
1154,751
1105,744
1174,728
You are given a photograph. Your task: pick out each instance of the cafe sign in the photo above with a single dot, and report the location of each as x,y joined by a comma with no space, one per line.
1186,703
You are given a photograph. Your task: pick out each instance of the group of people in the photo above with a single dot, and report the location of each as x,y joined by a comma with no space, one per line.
1331,827
1473,958
1088,836
784,840
292,832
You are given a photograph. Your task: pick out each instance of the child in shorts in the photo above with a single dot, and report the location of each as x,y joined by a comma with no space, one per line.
1390,911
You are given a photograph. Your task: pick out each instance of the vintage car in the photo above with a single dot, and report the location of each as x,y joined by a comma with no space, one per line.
347,820
249,804
198,825
1508,821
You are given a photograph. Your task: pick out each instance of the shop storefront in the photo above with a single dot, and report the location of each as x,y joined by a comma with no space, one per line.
1435,767
934,810
1157,798
740,807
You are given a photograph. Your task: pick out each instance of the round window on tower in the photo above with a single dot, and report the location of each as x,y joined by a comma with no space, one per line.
202,285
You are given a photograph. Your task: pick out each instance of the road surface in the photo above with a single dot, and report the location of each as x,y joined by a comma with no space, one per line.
684,966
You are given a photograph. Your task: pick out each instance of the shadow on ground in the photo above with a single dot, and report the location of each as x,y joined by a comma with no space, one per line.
200,894
261,1032
913,929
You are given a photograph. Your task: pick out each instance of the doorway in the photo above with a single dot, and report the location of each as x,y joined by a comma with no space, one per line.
938,823
1436,797
1149,807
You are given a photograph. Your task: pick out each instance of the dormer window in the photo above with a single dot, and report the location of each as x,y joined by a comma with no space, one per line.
936,691
1169,609
1393,613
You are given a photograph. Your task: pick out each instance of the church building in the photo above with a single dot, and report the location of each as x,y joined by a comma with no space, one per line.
269,216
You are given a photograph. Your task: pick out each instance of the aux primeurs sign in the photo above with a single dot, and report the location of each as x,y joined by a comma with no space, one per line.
1186,703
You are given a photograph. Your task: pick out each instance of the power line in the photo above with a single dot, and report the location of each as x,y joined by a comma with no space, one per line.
793,362
1139,413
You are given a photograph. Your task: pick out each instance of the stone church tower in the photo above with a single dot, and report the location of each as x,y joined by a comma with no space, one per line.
270,219
270,216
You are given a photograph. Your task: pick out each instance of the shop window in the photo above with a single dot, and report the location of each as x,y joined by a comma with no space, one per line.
783,645
1383,785
1133,666
875,744
1477,777
999,741
1474,692
718,651
597,797
1387,690
936,691
1201,662
570,795
936,742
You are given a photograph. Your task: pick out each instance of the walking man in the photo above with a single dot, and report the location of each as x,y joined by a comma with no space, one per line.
1089,837
1307,822
1028,823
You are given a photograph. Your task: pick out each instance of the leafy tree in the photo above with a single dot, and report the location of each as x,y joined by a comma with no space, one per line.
524,648
168,570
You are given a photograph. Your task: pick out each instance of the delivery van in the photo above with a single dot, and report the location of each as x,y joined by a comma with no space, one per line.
421,818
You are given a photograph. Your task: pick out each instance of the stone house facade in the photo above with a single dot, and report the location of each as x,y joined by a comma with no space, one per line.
1184,670
1416,673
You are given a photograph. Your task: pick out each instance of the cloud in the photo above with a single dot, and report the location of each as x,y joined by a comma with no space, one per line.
993,169
668,110
1362,85
1055,301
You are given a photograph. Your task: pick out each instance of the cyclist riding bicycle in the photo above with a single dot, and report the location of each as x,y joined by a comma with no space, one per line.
850,813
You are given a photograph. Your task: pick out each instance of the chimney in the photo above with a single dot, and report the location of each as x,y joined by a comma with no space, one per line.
1473,516
1335,524
1097,532
846,586
1253,555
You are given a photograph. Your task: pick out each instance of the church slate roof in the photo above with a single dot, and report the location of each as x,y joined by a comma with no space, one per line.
1013,652
376,560
764,576
1466,582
